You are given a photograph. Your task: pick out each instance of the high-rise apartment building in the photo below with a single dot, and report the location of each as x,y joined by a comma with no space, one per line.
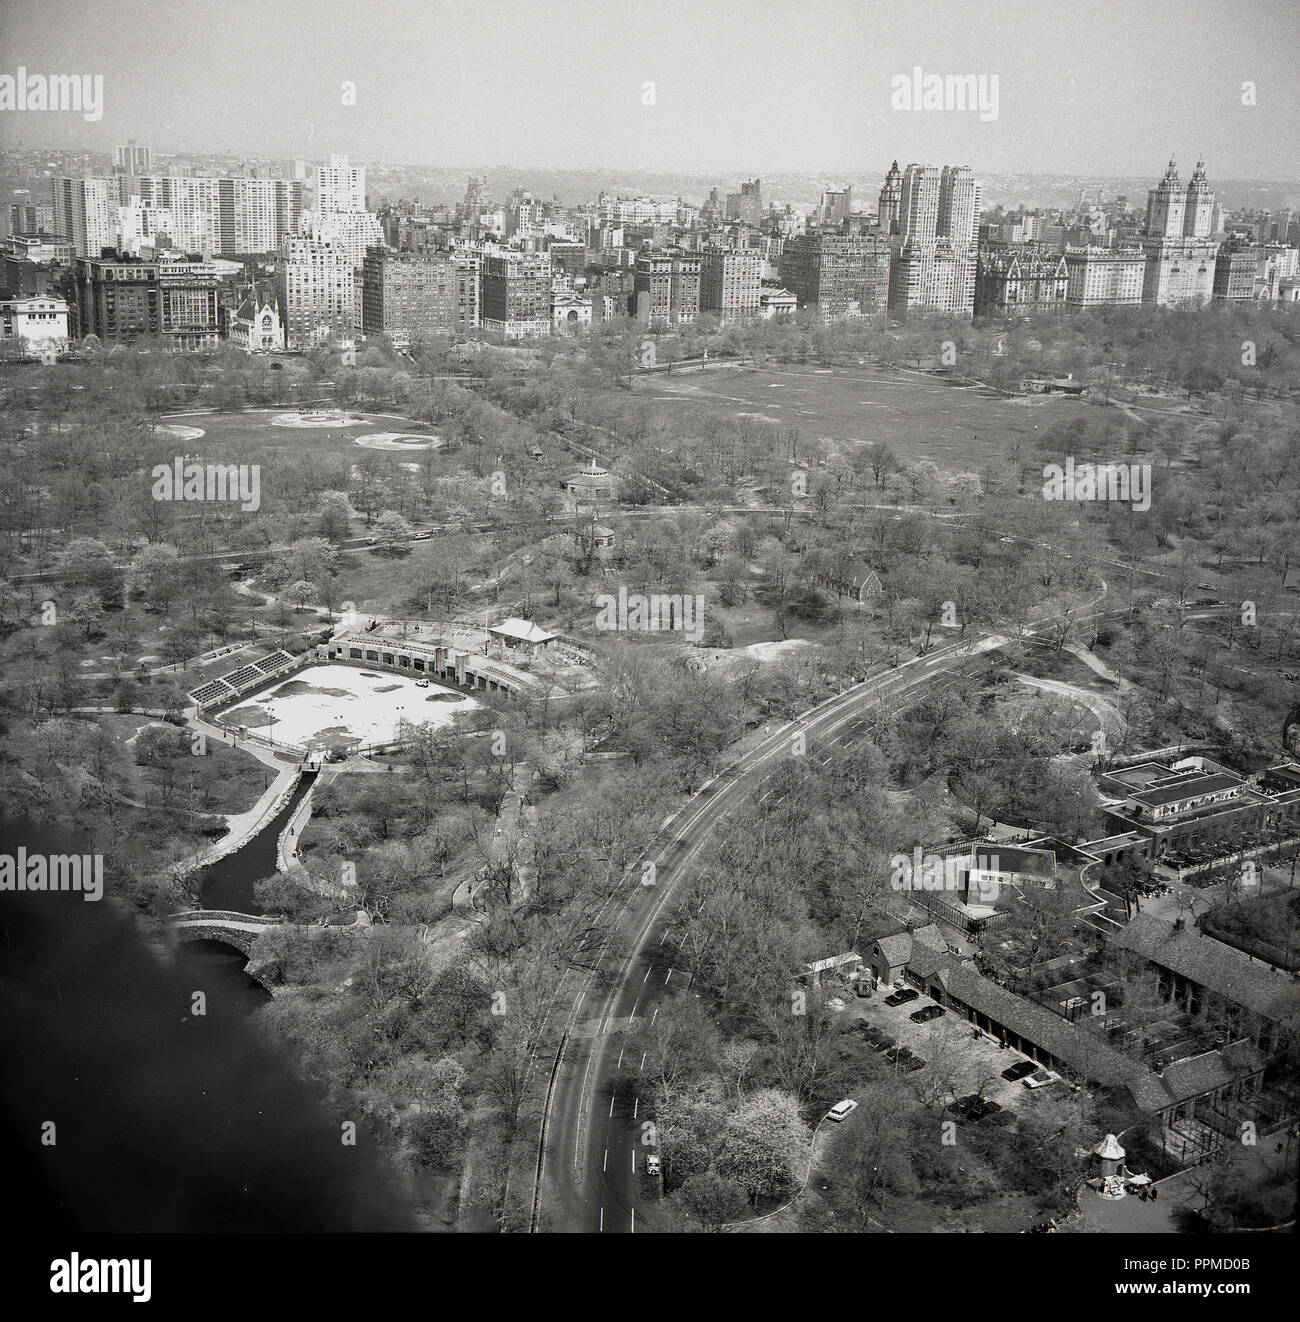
316,292
119,301
731,281
340,186
188,303
516,293
835,207
85,213
1180,254
842,275
31,218
666,288
412,295
131,159
1234,272
747,205
936,256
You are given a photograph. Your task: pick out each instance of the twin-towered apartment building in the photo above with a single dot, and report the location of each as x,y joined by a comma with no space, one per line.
529,267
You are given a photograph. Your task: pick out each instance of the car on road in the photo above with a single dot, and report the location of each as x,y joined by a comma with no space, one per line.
1040,1078
842,1110
652,1163
421,683
902,997
1013,1073
928,1013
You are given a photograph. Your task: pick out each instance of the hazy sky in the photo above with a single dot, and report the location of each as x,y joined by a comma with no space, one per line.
740,86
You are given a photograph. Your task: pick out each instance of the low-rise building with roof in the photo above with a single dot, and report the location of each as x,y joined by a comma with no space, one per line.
1208,978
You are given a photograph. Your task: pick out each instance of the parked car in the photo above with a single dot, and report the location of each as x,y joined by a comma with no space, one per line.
974,1107
842,1110
421,683
1018,1071
652,1162
1040,1078
926,1015
883,1042
902,997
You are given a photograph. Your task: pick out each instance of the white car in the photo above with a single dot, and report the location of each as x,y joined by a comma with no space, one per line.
1040,1079
842,1110
652,1164
421,683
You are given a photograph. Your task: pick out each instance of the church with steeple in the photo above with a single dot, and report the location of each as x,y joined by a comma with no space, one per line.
1180,250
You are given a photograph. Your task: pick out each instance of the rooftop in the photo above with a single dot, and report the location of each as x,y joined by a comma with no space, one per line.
1221,968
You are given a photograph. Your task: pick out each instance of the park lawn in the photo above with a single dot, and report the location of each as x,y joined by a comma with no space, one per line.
918,416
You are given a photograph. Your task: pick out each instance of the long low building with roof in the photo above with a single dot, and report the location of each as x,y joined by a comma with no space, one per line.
1206,977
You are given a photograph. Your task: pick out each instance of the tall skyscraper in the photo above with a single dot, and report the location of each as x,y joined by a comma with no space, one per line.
891,196
935,253
1180,254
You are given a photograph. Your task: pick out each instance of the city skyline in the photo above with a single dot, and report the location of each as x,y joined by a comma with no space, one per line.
604,89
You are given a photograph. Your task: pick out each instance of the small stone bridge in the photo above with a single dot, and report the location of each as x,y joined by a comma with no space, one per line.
235,929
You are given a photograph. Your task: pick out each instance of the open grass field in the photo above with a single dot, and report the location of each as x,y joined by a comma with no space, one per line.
262,432
919,416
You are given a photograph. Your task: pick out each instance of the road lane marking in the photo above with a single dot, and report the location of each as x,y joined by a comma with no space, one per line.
604,1165
648,972
635,1105
644,1054
602,1219
611,1106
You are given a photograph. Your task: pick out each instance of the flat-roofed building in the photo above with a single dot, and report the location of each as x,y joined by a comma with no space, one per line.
666,288
842,275
731,282
119,300
516,293
412,295
1102,277
316,292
